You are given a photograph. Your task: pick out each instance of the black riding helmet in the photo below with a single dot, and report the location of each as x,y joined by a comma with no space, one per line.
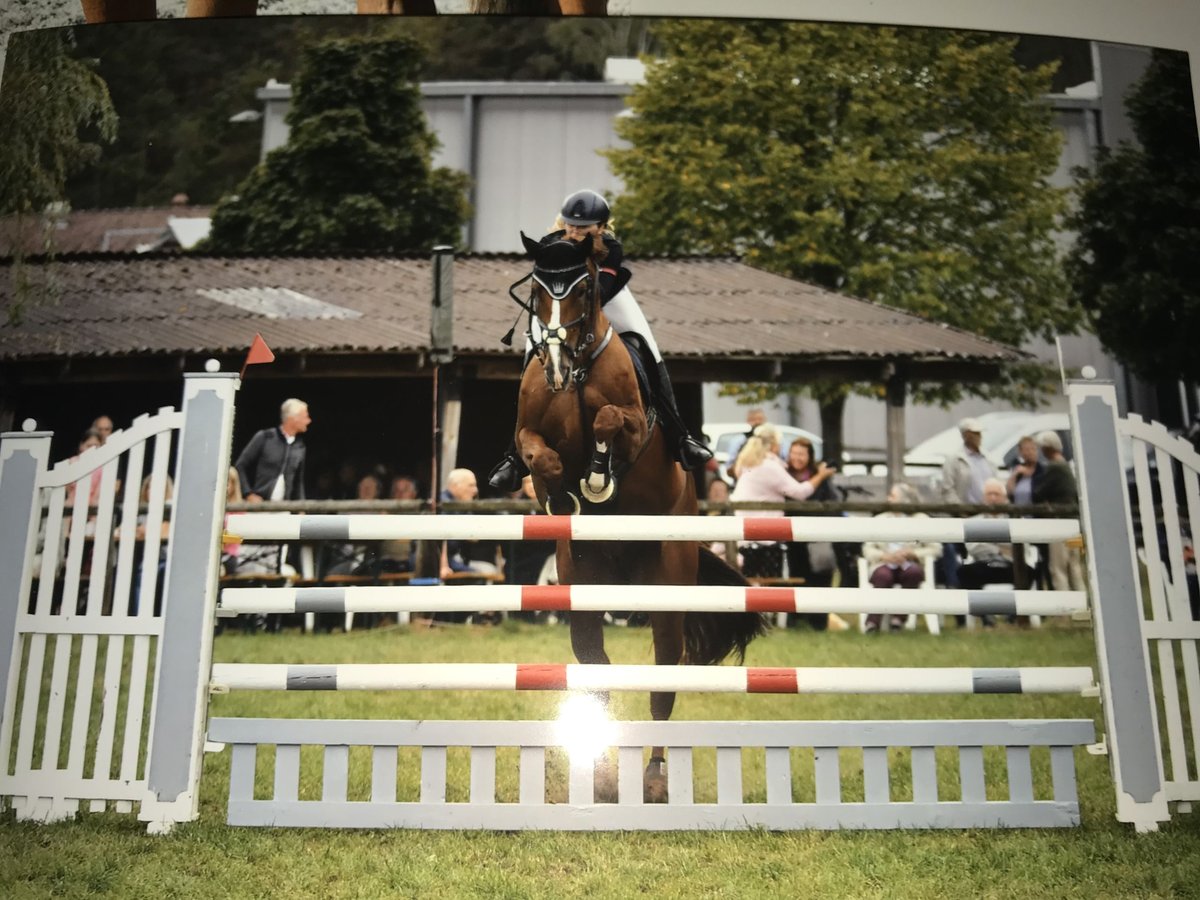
585,208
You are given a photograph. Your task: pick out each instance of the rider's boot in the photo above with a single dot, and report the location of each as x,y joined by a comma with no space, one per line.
509,472
691,453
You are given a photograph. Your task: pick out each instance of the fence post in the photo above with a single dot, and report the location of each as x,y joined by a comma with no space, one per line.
184,664
1127,691
24,456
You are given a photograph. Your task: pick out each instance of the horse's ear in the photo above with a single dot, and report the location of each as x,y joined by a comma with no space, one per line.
531,246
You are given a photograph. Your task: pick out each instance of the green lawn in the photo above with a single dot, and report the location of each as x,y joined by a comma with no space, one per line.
109,855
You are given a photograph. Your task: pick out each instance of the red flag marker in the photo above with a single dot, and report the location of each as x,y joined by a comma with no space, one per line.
259,353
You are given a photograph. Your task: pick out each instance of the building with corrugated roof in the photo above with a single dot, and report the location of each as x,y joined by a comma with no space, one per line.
352,335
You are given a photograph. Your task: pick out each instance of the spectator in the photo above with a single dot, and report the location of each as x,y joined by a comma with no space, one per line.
1058,486
765,477
241,558
370,487
963,475
460,556
91,439
754,418
990,563
716,492
271,467
404,487
103,426
141,534
1189,575
897,562
1021,482
815,561
527,559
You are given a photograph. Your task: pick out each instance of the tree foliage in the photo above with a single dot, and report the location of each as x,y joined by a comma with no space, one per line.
904,166
1134,267
355,174
176,83
56,112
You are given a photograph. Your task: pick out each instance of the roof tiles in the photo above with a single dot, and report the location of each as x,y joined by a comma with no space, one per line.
697,307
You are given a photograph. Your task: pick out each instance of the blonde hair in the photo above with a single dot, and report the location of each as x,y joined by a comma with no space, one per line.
168,488
606,228
758,447
233,487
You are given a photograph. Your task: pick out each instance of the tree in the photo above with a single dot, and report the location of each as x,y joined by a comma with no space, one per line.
904,166
1134,266
176,83
355,174
56,111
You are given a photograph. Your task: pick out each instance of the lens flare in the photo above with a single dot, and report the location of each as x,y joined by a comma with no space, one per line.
583,727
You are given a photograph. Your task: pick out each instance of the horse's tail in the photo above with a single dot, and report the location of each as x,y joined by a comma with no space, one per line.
710,637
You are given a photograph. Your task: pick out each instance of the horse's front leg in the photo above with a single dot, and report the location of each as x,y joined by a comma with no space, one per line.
618,434
545,465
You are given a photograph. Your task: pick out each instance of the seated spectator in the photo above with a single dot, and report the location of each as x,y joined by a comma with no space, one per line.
990,563
141,533
897,562
404,487
465,556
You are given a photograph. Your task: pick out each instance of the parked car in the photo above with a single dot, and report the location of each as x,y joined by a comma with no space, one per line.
726,438
1002,432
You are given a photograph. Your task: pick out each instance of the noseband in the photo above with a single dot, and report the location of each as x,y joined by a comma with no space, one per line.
547,339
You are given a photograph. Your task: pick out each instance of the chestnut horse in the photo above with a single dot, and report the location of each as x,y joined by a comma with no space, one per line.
592,446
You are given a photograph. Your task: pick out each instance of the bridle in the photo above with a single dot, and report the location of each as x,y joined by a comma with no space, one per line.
548,339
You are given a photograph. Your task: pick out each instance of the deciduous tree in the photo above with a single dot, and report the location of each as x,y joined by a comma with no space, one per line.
905,166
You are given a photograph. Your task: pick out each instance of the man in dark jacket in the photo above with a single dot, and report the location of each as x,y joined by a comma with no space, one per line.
1057,485
272,465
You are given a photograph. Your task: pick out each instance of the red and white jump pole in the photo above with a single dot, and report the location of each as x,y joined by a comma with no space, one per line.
702,679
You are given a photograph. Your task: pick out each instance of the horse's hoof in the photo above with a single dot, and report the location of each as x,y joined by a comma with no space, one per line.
574,502
654,782
603,495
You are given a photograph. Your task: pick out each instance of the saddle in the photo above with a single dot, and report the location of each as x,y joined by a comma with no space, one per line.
639,354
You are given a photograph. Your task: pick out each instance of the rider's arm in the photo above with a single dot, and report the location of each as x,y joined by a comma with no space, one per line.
613,274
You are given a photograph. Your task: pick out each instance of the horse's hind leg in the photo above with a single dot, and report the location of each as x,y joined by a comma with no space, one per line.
668,651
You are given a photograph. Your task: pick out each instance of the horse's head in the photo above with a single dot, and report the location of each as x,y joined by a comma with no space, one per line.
564,308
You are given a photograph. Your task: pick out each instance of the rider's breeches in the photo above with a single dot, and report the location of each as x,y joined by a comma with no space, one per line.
625,315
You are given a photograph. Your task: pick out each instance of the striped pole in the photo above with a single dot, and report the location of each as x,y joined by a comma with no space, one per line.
648,598
286,527
707,679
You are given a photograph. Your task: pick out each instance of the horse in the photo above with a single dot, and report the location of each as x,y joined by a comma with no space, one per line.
593,446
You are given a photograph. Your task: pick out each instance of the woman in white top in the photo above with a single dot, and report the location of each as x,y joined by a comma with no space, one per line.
763,476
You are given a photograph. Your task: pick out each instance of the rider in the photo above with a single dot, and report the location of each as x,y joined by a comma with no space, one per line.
585,214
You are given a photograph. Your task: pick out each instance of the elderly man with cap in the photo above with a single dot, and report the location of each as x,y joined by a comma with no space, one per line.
963,475
1057,485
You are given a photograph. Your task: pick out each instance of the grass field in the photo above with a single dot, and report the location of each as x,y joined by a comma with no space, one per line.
109,855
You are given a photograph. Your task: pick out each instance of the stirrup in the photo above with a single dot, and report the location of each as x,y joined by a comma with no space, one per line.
693,454
508,474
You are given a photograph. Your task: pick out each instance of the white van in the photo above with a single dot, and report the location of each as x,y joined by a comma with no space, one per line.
1002,431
